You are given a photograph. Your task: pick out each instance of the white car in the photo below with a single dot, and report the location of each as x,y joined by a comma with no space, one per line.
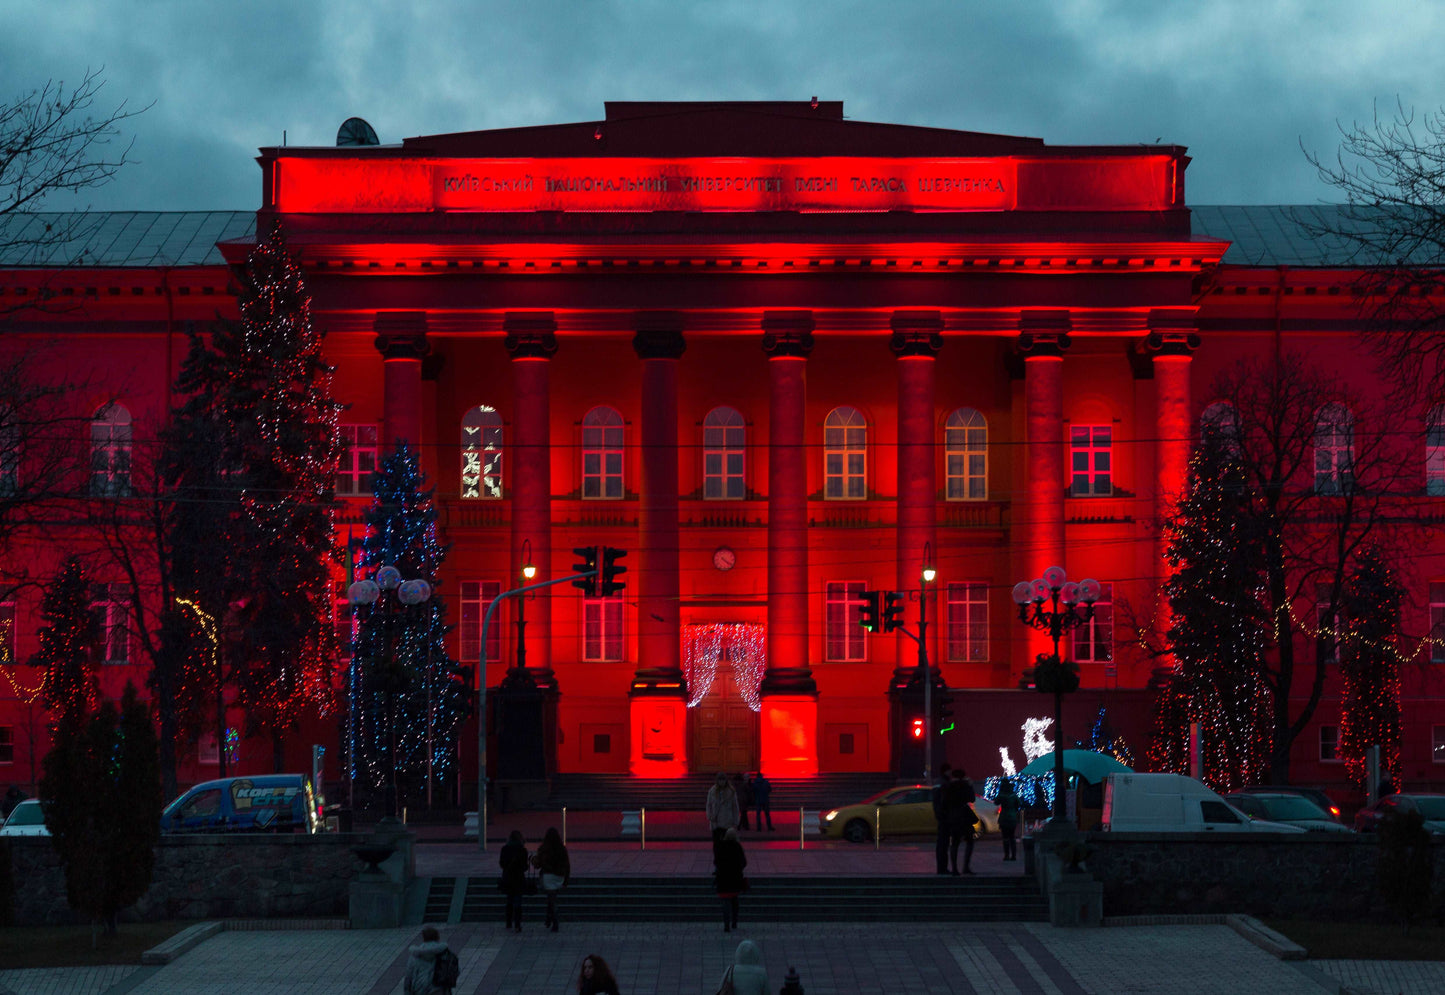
26,819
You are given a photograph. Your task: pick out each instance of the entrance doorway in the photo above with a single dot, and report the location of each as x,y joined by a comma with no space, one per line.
724,663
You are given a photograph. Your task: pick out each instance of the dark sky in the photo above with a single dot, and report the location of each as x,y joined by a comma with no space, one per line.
1242,84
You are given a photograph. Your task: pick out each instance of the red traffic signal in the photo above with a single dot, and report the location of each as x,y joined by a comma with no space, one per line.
918,730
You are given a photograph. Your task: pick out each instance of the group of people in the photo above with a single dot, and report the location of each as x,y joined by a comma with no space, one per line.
953,799
554,871
728,858
728,805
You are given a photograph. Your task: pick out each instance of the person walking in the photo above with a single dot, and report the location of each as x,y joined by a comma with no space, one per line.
421,964
746,975
556,870
762,795
1008,818
959,816
722,807
596,977
745,799
940,843
513,860
728,862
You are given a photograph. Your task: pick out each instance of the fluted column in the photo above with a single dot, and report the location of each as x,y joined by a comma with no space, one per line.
531,341
401,340
659,345
1170,343
787,340
917,337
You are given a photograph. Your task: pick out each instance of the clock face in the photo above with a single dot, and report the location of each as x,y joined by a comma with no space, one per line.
724,558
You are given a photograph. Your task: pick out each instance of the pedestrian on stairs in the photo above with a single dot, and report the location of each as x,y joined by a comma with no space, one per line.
513,861
762,793
722,807
745,799
555,870
728,864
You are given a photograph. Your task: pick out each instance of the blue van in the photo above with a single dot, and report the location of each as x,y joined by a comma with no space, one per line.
277,803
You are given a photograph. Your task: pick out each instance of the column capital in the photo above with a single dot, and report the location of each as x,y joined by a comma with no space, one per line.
659,335
916,333
1171,333
1043,333
530,334
788,334
400,334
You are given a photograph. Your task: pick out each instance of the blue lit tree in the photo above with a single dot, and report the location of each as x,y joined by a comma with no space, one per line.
407,702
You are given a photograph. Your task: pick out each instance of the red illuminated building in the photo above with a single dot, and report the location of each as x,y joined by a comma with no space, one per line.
780,358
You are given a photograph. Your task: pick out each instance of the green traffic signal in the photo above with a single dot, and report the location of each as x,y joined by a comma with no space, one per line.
868,612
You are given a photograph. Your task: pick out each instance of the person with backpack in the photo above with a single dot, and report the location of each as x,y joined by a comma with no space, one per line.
556,870
431,966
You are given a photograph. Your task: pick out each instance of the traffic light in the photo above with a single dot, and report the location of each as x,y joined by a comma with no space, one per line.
610,585
945,718
588,584
917,729
868,616
892,611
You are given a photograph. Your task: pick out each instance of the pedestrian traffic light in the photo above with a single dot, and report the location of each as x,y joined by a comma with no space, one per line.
945,718
610,585
587,584
917,729
892,611
868,616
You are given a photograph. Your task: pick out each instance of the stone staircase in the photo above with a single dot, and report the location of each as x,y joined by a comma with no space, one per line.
982,898
606,792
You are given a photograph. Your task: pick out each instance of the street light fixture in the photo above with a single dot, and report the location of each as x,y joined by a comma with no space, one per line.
1069,604
529,570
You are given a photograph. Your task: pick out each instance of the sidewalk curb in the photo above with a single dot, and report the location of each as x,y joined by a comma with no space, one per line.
193,936
1265,938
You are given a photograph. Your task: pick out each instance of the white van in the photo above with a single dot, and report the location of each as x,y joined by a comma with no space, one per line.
1173,803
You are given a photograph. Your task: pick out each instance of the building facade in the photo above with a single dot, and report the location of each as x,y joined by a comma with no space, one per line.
781,359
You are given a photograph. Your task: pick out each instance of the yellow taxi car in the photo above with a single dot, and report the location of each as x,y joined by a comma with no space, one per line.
905,810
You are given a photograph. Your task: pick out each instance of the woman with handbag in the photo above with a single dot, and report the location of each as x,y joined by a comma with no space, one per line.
556,870
513,861
728,863
746,976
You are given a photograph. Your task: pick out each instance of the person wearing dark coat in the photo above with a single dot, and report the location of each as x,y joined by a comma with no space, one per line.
958,815
1008,818
513,861
596,977
940,843
745,799
762,793
556,869
728,863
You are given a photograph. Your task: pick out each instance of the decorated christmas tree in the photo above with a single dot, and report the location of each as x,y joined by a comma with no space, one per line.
69,644
407,704
1369,664
1218,627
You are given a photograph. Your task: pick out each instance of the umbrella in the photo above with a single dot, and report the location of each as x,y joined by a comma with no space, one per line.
1090,766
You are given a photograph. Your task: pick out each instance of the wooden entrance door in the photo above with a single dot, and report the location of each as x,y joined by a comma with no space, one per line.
724,729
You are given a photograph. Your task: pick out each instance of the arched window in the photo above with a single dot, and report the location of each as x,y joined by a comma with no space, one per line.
1435,451
602,454
723,438
110,431
482,453
845,455
1334,449
965,449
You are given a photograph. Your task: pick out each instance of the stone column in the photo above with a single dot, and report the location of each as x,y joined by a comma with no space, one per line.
531,341
659,345
789,719
917,337
1170,343
401,340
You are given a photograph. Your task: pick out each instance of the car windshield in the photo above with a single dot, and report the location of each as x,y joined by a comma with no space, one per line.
1431,808
1292,807
888,796
26,815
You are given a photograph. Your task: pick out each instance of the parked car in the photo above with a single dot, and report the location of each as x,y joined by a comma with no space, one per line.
266,802
1431,806
906,810
1173,803
1290,809
26,819
1316,795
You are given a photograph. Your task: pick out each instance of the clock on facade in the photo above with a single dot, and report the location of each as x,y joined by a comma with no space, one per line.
724,558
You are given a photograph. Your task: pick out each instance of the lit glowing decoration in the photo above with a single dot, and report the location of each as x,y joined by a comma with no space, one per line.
1031,789
1009,770
68,644
1370,708
1035,745
1103,739
744,644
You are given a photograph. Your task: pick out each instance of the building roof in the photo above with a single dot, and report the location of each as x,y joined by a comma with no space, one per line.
120,238
1289,235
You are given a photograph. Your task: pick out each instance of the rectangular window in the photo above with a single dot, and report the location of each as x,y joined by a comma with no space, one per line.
110,607
1437,744
1091,460
602,630
1437,621
7,632
968,622
846,640
358,459
1327,644
476,596
7,744
1330,744
1094,639
722,461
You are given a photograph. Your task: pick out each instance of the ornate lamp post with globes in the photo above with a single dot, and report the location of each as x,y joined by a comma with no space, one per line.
1054,604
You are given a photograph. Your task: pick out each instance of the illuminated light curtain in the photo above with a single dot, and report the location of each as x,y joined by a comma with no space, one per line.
746,646
747,649
704,649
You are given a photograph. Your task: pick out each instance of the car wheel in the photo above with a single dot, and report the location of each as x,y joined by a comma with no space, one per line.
857,831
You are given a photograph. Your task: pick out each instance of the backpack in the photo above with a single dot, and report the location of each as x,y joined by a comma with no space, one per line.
446,970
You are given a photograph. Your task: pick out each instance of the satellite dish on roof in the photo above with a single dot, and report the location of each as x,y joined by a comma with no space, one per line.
355,131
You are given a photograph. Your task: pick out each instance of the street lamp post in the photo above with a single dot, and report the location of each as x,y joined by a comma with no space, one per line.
528,571
1068,605
409,593
926,576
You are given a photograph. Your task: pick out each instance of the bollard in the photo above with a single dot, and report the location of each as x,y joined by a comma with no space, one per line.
791,984
644,828
877,827
800,827
564,825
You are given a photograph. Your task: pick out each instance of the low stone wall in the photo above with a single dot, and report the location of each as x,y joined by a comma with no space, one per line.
1317,875
252,876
